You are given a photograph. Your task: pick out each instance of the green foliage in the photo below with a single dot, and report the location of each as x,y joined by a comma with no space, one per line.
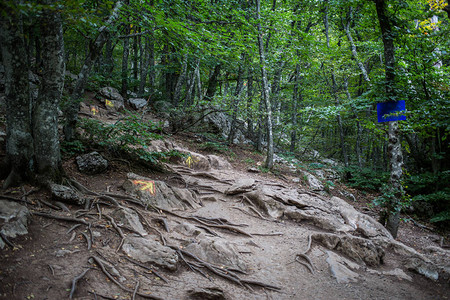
441,217
365,178
215,147
72,148
389,196
129,135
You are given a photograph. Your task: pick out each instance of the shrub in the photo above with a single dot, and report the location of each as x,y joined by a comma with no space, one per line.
365,178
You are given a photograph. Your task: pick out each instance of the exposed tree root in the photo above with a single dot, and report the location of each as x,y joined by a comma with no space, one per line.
68,219
146,268
102,266
74,282
308,264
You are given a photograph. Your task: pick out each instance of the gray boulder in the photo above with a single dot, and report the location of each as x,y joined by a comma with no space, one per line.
112,99
13,220
147,250
137,103
65,194
313,183
128,217
241,186
91,163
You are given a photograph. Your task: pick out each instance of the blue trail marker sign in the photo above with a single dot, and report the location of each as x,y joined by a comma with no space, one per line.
388,111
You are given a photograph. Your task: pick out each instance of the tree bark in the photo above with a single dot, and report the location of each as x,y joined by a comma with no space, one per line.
45,113
250,132
19,145
394,146
125,55
180,81
266,91
71,111
295,96
212,83
236,100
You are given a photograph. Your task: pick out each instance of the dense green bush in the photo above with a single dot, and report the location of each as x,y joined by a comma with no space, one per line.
130,135
364,178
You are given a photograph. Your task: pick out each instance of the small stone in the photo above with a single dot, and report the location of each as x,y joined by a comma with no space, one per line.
253,170
213,293
65,194
91,163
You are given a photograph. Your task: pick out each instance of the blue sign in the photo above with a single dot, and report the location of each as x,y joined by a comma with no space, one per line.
388,111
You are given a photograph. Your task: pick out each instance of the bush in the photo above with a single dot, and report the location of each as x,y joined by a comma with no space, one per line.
129,135
365,178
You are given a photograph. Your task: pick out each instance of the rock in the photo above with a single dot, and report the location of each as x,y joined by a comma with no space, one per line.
114,101
267,204
313,183
212,293
320,174
146,250
425,268
91,163
329,162
220,123
218,163
241,186
339,268
13,220
253,170
399,273
160,146
187,229
359,249
111,269
348,195
126,216
65,194
296,180
159,194
2,136
137,103
217,251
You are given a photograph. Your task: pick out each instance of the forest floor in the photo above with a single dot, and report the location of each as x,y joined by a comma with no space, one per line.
44,263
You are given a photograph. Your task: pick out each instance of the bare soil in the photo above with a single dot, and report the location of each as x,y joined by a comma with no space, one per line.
43,264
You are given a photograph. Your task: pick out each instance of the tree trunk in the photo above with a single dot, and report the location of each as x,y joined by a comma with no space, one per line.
199,85
126,53
236,100
335,95
19,145
109,60
266,91
180,81
212,83
394,146
45,113
71,111
136,43
250,132
295,96
191,85
358,125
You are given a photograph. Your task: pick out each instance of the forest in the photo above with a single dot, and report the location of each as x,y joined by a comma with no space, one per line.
299,76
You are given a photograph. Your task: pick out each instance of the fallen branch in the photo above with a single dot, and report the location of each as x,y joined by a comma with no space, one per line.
102,266
74,282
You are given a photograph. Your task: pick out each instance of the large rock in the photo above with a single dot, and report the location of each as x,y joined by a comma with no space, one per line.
217,251
91,163
220,123
147,250
13,220
242,185
360,249
218,163
313,183
341,268
65,194
158,193
128,217
137,103
111,98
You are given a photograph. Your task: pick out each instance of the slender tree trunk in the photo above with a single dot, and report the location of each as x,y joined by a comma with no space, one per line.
136,43
199,85
180,81
145,63
109,61
191,85
335,95
212,83
266,91
126,53
236,100
250,132
19,140
71,112
394,147
295,96
358,125
45,113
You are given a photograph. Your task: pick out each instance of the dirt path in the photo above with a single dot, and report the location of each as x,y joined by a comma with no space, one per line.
44,263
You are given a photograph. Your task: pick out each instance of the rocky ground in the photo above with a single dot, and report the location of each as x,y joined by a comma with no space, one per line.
206,229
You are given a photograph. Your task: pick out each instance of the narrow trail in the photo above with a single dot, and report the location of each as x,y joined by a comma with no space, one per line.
208,231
